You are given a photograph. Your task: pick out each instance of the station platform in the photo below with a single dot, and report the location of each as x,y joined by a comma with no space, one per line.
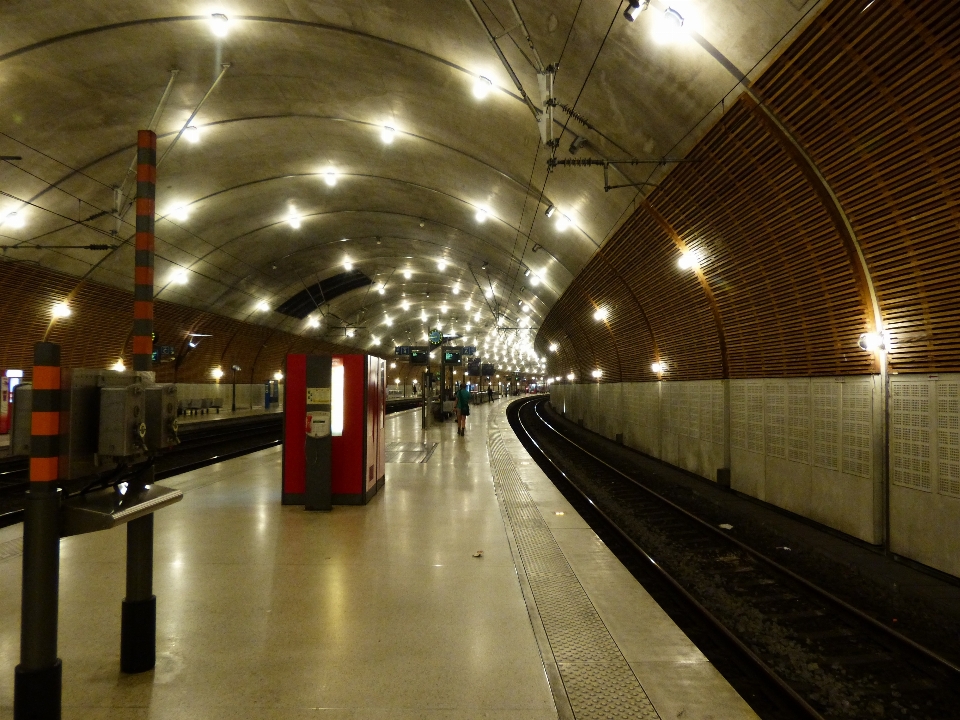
376,611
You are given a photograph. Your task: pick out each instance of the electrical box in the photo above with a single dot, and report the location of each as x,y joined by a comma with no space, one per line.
123,428
161,416
22,419
79,424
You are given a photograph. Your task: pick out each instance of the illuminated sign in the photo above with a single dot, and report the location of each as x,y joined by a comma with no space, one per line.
336,397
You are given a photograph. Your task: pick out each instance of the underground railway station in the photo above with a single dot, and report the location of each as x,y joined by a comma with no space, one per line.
461,359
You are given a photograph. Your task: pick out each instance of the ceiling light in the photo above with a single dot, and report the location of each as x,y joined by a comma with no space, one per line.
61,310
330,178
562,221
636,7
263,306
347,265
192,133
488,293
570,376
179,277
405,305
278,376
313,322
481,215
551,209
669,26
441,265
217,373
382,289
218,24
388,321
477,316
467,327
482,87
407,274
374,339
118,366
293,220
534,280
181,213
387,134
553,347
456,289
351,332
13,220
443,308
600,315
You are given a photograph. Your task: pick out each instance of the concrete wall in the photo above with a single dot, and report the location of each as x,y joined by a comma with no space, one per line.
925,469
806,445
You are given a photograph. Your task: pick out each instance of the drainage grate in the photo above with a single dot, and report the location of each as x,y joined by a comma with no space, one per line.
408,452
597,680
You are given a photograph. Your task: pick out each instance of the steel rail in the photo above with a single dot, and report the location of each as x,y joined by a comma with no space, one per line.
765,669
816,589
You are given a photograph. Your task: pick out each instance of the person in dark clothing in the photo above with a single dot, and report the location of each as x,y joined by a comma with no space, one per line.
463,409
490,393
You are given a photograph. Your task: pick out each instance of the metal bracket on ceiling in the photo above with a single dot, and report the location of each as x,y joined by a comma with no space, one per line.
120,192
607,164
504,61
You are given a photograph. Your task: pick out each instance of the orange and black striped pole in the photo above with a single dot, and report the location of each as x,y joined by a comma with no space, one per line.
138,619
145,241
38,677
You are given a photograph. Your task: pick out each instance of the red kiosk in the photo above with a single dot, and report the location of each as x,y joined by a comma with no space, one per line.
357,407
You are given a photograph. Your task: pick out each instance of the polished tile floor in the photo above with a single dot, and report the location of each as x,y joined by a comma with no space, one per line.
365,612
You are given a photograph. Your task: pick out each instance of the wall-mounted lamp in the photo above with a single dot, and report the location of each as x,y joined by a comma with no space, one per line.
874,342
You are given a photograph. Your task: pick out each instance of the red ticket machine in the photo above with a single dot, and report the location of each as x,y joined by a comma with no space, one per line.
358,405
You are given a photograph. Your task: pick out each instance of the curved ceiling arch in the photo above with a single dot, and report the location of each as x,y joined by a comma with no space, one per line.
245,18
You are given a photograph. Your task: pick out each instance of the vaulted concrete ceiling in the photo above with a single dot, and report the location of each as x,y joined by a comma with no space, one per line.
309,89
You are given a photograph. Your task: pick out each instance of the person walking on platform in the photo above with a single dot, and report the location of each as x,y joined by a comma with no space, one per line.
463,409
490,393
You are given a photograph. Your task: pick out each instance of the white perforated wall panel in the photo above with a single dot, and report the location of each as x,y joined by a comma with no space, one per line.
738,415
775,407
948,438
798,421
649,404
826,424
910,434
857,428
690,409
755,417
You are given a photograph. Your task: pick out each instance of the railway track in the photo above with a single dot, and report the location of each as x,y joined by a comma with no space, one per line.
826,657
201,444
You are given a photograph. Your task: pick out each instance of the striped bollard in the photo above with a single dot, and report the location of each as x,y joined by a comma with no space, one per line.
38,677
138,614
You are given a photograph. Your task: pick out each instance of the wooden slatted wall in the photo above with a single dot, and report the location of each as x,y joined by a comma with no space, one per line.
98,330
873,96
